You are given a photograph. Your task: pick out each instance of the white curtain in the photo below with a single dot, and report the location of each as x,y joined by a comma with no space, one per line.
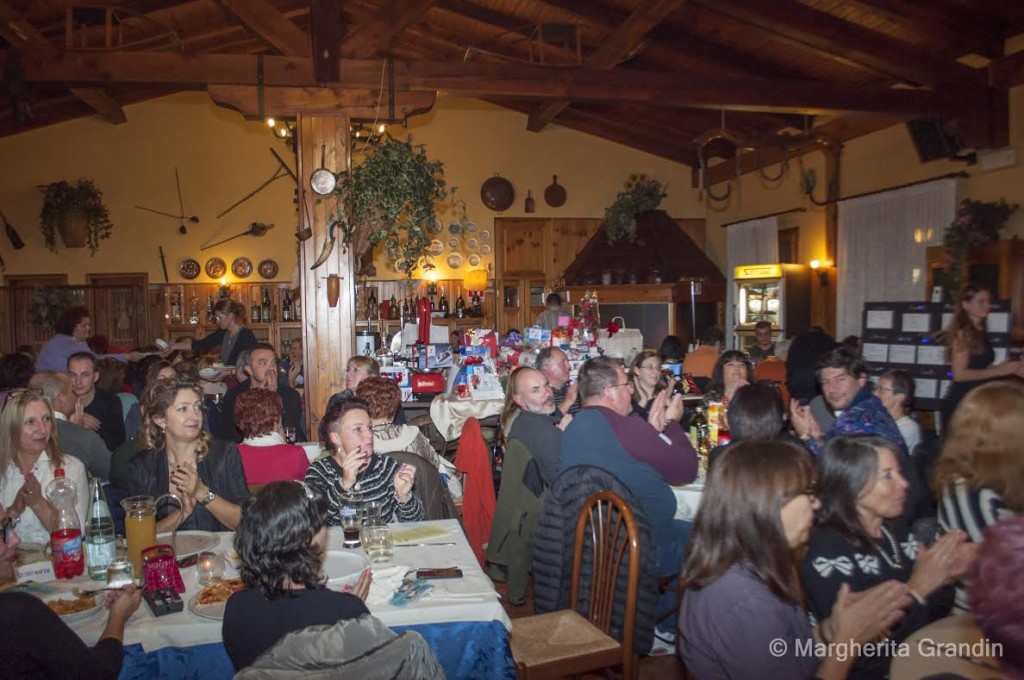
881,247
750,242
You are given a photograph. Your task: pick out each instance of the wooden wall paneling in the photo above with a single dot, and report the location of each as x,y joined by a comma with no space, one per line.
568,236
119,309
328,332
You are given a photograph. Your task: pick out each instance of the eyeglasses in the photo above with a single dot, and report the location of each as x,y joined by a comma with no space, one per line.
879,388
628,385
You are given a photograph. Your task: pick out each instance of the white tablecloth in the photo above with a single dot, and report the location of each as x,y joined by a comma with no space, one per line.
688,500
475,599
449,415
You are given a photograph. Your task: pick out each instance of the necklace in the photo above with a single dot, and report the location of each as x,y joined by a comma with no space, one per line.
894,562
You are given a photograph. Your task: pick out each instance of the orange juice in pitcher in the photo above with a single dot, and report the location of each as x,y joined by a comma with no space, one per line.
139,527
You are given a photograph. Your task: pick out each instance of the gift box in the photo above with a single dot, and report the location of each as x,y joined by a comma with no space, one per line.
399,374
535,335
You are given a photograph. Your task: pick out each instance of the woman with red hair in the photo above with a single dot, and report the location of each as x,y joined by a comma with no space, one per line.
266,456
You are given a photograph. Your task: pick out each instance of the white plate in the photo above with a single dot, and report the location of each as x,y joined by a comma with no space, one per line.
473,260
436,247
190,542
472,244
207,611
485,249
342,567
485,235
455,260
98,601
161,343
209,373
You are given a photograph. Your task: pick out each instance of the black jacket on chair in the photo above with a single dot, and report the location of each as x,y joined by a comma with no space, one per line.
428,486
553,540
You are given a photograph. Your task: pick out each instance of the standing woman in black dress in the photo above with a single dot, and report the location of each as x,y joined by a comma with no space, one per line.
971,353
231,336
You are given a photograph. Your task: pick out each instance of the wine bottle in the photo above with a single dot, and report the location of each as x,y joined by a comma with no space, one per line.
254,310
371,305
286,306
211,315
460,306
476,304
393,308
266,313
176,308
443,305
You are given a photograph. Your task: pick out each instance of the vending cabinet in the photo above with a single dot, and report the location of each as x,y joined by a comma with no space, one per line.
777,293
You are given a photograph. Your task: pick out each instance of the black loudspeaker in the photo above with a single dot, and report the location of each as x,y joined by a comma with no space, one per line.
930,140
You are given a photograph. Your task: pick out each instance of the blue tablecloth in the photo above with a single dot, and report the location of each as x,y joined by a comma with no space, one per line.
467,651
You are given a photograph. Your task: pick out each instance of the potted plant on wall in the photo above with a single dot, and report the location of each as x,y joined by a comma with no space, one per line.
77,212
641,194
392,198
977,224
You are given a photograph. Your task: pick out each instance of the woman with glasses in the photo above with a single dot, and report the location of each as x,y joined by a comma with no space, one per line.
231,335
647,380
742,614
895,388
281,542
29,455
861,541
180,458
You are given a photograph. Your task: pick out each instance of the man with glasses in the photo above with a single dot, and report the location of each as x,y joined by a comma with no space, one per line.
645,455
262,372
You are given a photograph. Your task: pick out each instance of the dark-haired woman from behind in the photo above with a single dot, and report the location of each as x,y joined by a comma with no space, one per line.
741,579
972,357
281,541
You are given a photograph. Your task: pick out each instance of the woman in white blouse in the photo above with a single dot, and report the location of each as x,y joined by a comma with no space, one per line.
29,454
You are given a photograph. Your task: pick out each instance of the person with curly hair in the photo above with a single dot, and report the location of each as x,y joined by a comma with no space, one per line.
281,542
383,397
266,456
16,370
182,459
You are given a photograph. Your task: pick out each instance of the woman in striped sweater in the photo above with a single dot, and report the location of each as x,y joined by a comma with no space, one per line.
979,479
354,473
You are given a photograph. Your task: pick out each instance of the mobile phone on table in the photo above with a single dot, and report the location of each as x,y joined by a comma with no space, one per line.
445,572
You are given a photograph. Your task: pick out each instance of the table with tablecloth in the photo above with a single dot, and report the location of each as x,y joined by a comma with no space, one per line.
449,415
688,499
464,623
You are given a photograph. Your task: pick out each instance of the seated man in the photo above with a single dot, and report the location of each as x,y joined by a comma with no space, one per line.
764,347
80,442
530,416
554,364
700,363
101,411
843,376
262,372
553,312
646,457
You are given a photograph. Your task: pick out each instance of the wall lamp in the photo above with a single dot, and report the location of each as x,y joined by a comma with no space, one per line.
821,270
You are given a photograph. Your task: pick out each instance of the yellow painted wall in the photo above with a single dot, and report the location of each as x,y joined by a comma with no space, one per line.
221,158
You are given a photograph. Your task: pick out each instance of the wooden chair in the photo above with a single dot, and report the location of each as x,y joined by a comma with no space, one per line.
562,643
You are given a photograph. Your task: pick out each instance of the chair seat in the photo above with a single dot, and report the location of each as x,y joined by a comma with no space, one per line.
548,639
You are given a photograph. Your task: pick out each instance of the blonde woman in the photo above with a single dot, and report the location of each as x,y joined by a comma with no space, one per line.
178,457
29,455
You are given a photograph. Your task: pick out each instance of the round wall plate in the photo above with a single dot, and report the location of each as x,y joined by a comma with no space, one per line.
215,268
241,267
455,260
268,269
189,268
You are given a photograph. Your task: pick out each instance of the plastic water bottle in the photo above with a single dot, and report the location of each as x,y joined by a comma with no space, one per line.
66,534
100,546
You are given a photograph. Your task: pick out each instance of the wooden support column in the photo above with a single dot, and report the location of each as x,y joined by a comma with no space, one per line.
328,333
833,153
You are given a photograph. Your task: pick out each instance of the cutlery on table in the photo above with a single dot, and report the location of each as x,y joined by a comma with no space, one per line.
419,545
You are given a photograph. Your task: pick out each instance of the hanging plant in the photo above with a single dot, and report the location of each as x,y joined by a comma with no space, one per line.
77,212
392,198
977,224
641,195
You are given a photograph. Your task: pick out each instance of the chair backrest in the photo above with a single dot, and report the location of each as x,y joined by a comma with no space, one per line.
428,486
614,544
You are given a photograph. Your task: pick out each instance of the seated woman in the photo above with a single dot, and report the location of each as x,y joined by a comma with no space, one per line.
645,374
979,479
281,540
732,371
859,541
895,389
383,396
35,643
354,473
181,458
266,456
358,369
741,580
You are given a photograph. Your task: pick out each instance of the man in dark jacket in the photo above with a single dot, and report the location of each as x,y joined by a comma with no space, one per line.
101,411
262,372
538,424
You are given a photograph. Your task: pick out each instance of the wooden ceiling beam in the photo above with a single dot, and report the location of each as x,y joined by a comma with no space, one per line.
270,25
1007,71
840,40
326,28
19,32
478,79
961,33
617,46
321,101
371,38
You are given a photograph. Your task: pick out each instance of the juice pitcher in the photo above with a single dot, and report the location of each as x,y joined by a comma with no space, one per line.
140,525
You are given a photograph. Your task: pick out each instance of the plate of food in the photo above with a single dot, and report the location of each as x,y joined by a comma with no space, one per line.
209,603
71,608
190,542
343,567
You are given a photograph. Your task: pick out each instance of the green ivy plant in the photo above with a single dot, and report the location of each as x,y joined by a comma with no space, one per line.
392,198
640,195
61,197
977,223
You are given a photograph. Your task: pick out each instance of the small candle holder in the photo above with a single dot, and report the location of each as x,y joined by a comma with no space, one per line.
209,568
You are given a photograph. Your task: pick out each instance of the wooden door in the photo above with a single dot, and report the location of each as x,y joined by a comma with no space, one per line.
523,245
118,304
21,329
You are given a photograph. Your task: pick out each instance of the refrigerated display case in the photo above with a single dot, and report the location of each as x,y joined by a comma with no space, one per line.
777,293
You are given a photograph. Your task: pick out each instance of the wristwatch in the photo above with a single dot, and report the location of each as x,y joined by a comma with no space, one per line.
207,499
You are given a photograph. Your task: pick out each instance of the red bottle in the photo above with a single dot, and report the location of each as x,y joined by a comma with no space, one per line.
66,535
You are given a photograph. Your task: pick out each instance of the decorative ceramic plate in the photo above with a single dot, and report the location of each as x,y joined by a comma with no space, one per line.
216,268
485,249
455,260
241,267
469,227
190,542
436,247
453,242
472,244
473,260
267,269
437,227
485,235
454,228
189,268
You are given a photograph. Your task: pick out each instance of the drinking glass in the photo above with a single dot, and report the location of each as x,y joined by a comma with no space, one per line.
209,568
351,523
289,435
377,542
120,572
